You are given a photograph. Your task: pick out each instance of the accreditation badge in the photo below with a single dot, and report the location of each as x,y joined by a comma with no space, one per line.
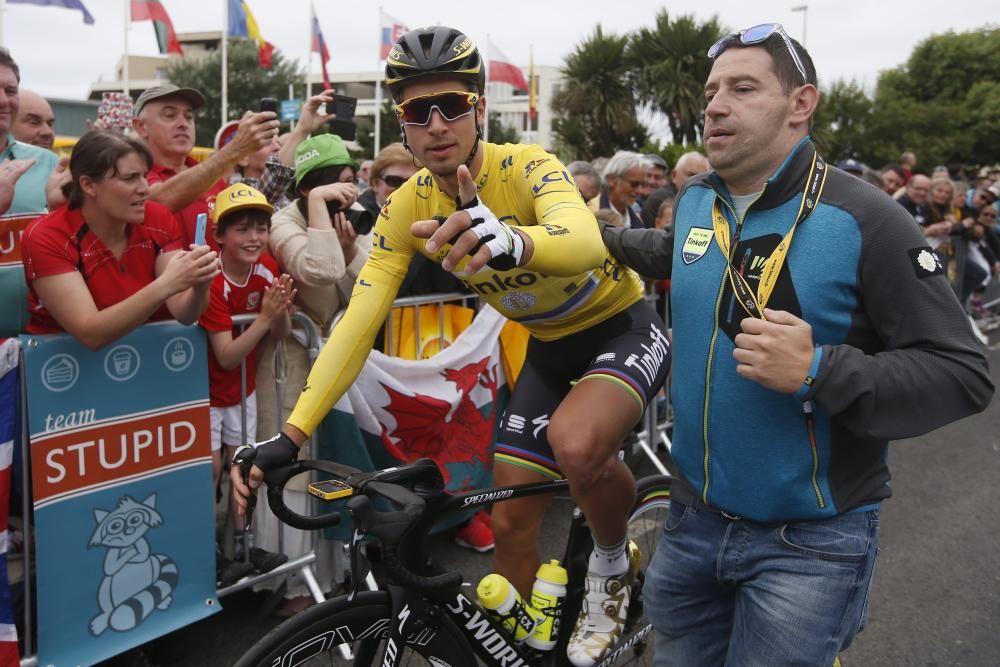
696,244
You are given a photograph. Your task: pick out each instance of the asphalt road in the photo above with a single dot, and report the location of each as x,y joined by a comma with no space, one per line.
936,597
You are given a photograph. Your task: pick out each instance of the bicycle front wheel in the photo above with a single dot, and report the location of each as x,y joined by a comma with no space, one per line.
337,633
645,528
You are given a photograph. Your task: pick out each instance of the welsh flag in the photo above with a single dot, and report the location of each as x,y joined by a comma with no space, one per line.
444,408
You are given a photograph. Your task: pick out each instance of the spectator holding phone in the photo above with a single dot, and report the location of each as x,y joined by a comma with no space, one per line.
271,168
315,242
248,284
110,259
165,120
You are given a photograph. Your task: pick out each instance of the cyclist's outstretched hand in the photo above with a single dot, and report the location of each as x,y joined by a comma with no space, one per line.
472,230
251,462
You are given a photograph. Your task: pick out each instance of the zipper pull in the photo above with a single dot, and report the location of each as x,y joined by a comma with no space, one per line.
807,407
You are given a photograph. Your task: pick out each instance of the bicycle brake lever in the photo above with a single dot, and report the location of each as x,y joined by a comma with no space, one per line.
244,457
357,507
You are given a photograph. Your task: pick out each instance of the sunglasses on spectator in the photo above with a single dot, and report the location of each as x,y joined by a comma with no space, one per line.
393,181
452,105
756,35
632,184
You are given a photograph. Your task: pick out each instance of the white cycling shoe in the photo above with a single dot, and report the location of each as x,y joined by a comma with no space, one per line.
602,618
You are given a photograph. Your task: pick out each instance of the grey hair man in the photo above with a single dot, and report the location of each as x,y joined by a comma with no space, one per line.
621,182
587,180
689,164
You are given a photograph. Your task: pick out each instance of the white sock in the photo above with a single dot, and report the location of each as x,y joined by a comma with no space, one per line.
609,561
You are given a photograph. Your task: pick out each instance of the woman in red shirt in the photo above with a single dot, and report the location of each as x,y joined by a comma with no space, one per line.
109,260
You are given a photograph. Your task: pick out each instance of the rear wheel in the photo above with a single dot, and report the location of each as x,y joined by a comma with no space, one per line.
645,528
319,636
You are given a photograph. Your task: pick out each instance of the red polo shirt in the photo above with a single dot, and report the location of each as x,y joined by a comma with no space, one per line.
62,242
230,298
189,214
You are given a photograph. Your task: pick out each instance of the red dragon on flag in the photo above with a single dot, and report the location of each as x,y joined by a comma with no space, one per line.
446,432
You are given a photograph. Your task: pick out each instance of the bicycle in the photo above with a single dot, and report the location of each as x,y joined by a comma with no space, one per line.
420,614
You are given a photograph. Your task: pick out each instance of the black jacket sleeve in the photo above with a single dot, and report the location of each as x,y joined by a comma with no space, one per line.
911,363
648,251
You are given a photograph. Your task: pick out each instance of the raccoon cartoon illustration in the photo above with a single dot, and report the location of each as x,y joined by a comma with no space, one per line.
135,580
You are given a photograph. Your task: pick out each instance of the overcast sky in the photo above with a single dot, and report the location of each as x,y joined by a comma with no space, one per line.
59,56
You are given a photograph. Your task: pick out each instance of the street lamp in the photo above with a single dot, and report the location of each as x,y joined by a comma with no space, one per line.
805,10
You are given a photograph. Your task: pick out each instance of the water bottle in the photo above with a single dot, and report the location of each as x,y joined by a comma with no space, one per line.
504,603
547,597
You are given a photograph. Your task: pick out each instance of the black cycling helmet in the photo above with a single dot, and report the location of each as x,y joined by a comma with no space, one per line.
438,50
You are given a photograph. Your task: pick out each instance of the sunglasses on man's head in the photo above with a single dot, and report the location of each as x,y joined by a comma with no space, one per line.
393,181
452,105
756,35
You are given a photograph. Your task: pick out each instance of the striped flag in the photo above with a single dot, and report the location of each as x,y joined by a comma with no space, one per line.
502,70
152,10
319,46
68,4
392,30
243,24
9,404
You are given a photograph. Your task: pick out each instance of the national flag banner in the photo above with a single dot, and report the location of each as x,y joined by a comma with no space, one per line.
88,18
500,69
243,24
122,489
9,405
153,10
392,29
14,303
445,408
319,46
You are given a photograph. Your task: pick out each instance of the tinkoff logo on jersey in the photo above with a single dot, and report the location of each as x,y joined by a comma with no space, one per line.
696,244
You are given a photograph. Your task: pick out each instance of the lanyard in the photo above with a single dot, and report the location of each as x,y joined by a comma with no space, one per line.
754,303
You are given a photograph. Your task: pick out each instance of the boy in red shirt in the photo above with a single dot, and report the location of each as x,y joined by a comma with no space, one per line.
249,283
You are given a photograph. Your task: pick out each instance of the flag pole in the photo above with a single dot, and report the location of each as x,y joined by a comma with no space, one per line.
309,53
125,73
224,48
378,91
486,86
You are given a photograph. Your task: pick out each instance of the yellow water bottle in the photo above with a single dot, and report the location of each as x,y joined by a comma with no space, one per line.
504,603
547,597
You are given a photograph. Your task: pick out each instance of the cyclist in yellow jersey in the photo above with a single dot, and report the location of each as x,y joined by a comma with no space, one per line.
509,222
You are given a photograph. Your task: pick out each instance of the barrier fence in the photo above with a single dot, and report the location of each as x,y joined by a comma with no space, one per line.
145,494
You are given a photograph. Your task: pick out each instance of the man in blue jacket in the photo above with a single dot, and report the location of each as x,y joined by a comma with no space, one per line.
812,324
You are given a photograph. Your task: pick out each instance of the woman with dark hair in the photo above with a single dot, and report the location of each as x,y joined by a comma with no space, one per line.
109,260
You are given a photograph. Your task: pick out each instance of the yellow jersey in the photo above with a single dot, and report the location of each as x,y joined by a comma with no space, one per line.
570,283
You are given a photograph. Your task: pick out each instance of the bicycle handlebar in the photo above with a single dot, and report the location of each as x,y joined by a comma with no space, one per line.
391,528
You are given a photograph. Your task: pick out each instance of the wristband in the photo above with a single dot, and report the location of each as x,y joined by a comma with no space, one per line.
810,379
506,246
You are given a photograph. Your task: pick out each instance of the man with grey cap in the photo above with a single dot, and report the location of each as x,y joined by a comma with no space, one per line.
656,176
164,119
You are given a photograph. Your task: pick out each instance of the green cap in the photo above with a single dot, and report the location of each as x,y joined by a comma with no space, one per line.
324,150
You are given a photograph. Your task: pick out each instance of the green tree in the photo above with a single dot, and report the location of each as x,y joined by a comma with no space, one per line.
669,67
841,124
595,109
246,81
502,134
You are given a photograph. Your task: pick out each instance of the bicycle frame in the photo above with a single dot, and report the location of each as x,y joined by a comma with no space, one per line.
487,638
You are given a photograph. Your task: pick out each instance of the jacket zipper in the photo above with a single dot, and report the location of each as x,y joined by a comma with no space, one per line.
711,348
807,408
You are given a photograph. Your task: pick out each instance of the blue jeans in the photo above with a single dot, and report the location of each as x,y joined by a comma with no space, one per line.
733,592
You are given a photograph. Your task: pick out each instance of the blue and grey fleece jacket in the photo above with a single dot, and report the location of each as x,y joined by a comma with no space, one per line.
895,355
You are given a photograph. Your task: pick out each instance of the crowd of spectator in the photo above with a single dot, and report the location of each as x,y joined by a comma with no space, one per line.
291,229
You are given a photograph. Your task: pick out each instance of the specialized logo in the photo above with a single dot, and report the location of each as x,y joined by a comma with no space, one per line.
497,645
696,244
608,356
487,497
540,423
926,262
